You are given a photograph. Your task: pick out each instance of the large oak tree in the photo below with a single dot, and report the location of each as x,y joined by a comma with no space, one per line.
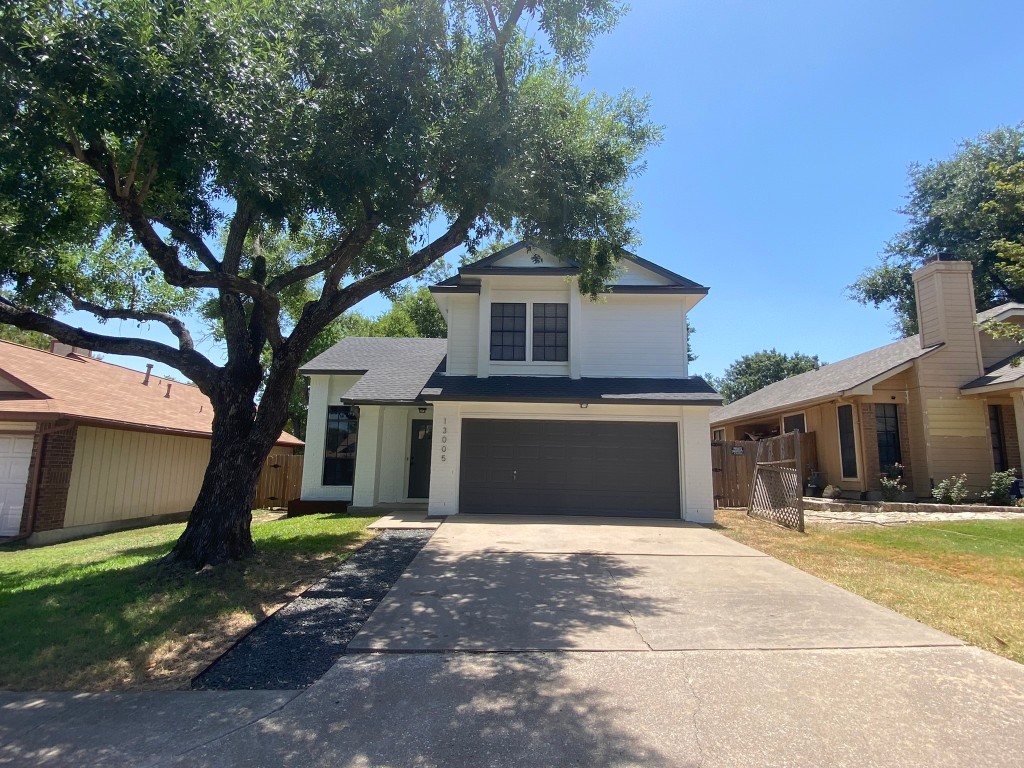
152,152
967,206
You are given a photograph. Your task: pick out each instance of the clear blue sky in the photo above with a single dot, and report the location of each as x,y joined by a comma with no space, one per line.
789,127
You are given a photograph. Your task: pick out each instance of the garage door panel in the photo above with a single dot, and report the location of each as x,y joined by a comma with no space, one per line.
570,467
15,458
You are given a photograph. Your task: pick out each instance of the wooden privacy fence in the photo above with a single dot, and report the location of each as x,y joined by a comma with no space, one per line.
280,481
777,493
732,469
733,463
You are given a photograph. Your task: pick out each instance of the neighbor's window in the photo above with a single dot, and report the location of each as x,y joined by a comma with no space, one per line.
847,442
508,331
887,427
551,332
340,448
995,425
794,423
718,434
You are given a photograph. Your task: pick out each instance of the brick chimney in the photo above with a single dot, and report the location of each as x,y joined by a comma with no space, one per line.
946,314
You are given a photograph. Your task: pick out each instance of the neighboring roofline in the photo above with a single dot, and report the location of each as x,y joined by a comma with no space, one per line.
999,386
126,426
837,395
24,384
1004,311
868,384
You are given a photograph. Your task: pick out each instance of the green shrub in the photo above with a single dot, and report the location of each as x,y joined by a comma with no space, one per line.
1002,483
952,490
892,483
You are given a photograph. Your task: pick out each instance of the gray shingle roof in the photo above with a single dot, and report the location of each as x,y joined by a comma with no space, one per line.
394,370
828,381
411,370
559,389
1003,372
1011,306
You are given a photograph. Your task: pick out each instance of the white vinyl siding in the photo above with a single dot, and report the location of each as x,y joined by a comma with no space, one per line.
463,318
642,336
121,475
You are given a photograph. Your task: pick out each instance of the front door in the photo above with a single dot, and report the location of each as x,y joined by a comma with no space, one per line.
419,458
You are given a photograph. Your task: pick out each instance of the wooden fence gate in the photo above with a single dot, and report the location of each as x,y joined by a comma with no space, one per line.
732,469
777,494
280,481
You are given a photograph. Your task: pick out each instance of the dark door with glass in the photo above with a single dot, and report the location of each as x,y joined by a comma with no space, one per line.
419,458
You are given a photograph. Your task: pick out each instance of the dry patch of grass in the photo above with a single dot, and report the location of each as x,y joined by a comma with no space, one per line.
964,578
104,614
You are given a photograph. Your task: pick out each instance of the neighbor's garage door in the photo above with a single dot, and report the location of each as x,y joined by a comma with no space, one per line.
620,468
15,457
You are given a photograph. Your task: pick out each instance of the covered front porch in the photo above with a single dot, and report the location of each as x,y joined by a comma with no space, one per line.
374,456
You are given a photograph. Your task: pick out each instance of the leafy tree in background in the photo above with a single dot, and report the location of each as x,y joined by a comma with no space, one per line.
753,372
149,150
25,338
967,206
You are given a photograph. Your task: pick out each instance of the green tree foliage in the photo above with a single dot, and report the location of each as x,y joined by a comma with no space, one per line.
25,338
753,372
152,151
968,206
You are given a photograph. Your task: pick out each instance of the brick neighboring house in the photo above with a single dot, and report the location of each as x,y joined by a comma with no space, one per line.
946,401
87,446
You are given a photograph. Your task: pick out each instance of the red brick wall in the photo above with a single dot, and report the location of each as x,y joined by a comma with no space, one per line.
869,441
58,454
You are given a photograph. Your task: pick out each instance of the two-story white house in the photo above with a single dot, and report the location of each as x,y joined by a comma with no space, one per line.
540,401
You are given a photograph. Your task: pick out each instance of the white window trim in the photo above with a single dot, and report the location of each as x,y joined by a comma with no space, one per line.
529,337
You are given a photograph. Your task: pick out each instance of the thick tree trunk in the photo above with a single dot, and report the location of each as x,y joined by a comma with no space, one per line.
218,529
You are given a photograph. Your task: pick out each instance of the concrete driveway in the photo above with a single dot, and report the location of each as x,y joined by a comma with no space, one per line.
585,642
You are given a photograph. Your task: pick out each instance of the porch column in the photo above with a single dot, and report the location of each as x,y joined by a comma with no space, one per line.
1018,418
364,487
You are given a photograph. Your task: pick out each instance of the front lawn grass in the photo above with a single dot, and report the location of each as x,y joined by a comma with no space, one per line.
104,614
965,578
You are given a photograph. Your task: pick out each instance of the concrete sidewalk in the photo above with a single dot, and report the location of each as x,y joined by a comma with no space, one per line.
519,642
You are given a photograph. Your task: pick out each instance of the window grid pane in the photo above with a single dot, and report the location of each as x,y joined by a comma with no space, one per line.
508,331
887,428
340,445
551,332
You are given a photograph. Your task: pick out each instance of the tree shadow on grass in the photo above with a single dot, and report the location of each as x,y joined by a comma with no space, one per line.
109,623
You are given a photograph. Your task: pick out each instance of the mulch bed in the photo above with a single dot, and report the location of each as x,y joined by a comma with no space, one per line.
294,647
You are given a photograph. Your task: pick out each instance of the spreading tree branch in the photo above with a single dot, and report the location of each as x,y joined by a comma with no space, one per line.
175,325
190,362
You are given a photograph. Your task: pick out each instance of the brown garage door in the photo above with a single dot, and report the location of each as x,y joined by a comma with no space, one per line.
621,468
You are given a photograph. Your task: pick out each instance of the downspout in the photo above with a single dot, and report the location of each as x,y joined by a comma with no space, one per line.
34,480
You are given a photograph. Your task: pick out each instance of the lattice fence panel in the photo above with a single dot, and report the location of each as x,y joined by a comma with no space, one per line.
777,490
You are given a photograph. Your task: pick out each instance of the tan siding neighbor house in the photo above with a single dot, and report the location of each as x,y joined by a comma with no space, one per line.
86,446
947,401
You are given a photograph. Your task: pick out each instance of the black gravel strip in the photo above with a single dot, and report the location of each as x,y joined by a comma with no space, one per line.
294,648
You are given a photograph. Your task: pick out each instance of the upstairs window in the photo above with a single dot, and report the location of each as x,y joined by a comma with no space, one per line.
340,448
508,331
551,332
